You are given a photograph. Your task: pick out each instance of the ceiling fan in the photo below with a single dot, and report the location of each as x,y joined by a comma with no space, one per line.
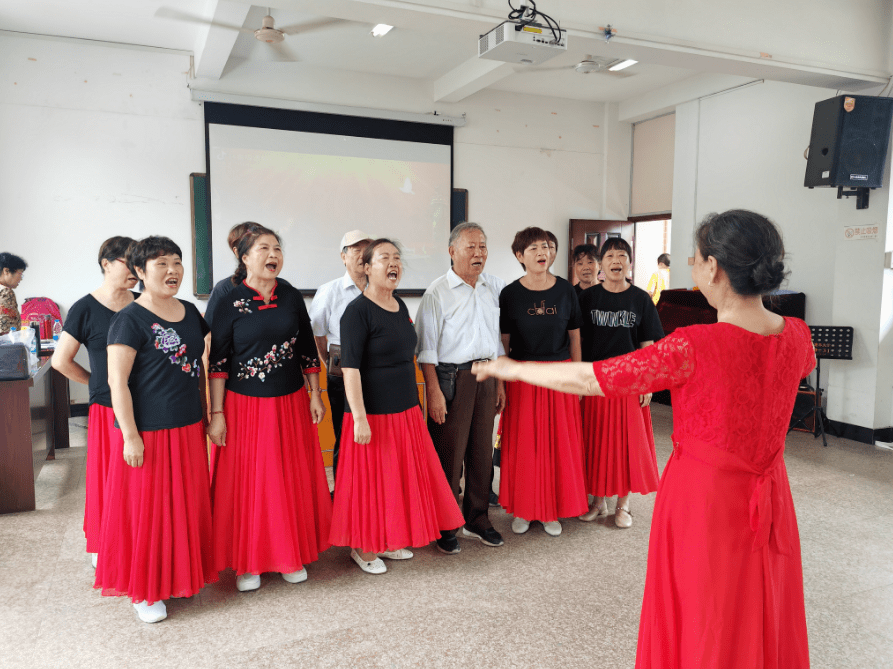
268,32
589,65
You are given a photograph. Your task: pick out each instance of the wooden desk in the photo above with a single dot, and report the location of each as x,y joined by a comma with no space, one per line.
35,421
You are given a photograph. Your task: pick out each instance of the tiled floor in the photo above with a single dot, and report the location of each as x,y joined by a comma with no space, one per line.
538,601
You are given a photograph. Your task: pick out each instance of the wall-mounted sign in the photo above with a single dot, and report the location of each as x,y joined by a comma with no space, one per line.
851,232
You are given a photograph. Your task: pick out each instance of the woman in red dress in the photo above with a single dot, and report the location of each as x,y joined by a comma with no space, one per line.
269,491
391,491
724,586
87,325
155,539
541,461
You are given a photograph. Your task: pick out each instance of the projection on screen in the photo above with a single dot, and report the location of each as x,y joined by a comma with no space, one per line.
311,188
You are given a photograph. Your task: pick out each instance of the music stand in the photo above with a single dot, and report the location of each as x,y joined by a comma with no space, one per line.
831,343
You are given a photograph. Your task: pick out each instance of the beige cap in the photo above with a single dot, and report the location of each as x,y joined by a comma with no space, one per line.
353,237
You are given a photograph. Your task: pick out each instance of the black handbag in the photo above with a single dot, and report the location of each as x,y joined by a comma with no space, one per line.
333,364
446,377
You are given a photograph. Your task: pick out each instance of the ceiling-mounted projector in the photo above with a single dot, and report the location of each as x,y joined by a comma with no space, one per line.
522,42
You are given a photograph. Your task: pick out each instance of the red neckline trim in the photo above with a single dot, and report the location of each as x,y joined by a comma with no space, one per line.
260,297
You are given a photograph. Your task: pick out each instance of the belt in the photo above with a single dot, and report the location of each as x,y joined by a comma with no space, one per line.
467,365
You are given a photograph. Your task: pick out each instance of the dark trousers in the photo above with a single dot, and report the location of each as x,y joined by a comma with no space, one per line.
466,437
335,390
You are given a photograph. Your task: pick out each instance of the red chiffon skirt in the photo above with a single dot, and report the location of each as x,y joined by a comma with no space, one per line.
155,541
102,435
542,454
391,493
618,446
724,584
269,493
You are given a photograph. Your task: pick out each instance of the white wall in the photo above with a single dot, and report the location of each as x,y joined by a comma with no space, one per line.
94,142
744,149
618,138
97,141
525,161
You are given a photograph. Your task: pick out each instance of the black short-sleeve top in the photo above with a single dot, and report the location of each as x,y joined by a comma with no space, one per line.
381,344
221,291
164,381
616,323
538,320
262,350
88,322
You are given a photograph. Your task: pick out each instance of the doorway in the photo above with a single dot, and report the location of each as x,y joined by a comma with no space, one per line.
652,239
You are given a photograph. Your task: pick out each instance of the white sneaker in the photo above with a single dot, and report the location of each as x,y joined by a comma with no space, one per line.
94,558
246,582
151,613
519,525
399,554
553,528
295,576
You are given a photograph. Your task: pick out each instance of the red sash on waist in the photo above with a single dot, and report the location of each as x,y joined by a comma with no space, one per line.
767,506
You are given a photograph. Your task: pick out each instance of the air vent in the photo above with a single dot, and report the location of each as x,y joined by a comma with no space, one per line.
482,44
500,34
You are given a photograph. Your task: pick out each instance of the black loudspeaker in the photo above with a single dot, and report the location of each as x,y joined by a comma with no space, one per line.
848,145
803,419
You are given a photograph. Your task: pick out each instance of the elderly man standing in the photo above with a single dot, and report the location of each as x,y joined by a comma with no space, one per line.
457,324
325,317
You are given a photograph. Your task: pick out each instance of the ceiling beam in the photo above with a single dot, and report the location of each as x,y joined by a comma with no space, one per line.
213,46
666,99
471,76
838,45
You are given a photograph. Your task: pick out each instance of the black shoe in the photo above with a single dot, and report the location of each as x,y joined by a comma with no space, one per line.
494,499
448,543
488,537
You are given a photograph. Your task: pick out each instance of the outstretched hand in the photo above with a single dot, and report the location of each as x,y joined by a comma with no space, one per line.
502,368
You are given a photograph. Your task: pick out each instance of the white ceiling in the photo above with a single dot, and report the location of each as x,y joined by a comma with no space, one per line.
430,41
347,45
344,45
123,21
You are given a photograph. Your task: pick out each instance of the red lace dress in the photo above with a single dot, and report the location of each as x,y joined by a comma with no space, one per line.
724,586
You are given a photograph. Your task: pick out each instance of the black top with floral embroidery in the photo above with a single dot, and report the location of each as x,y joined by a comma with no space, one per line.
262,349
164,380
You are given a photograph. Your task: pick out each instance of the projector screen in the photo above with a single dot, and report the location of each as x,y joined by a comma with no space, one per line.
312,185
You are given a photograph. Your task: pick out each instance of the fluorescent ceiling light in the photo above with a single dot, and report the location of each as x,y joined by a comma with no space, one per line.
381,29
622,65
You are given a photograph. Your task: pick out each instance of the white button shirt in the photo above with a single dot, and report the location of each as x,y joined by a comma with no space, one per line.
457,323
328,307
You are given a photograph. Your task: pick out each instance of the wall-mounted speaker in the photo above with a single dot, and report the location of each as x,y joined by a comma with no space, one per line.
848,145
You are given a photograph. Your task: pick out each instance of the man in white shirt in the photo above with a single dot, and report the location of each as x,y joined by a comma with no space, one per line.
328,306
457,324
